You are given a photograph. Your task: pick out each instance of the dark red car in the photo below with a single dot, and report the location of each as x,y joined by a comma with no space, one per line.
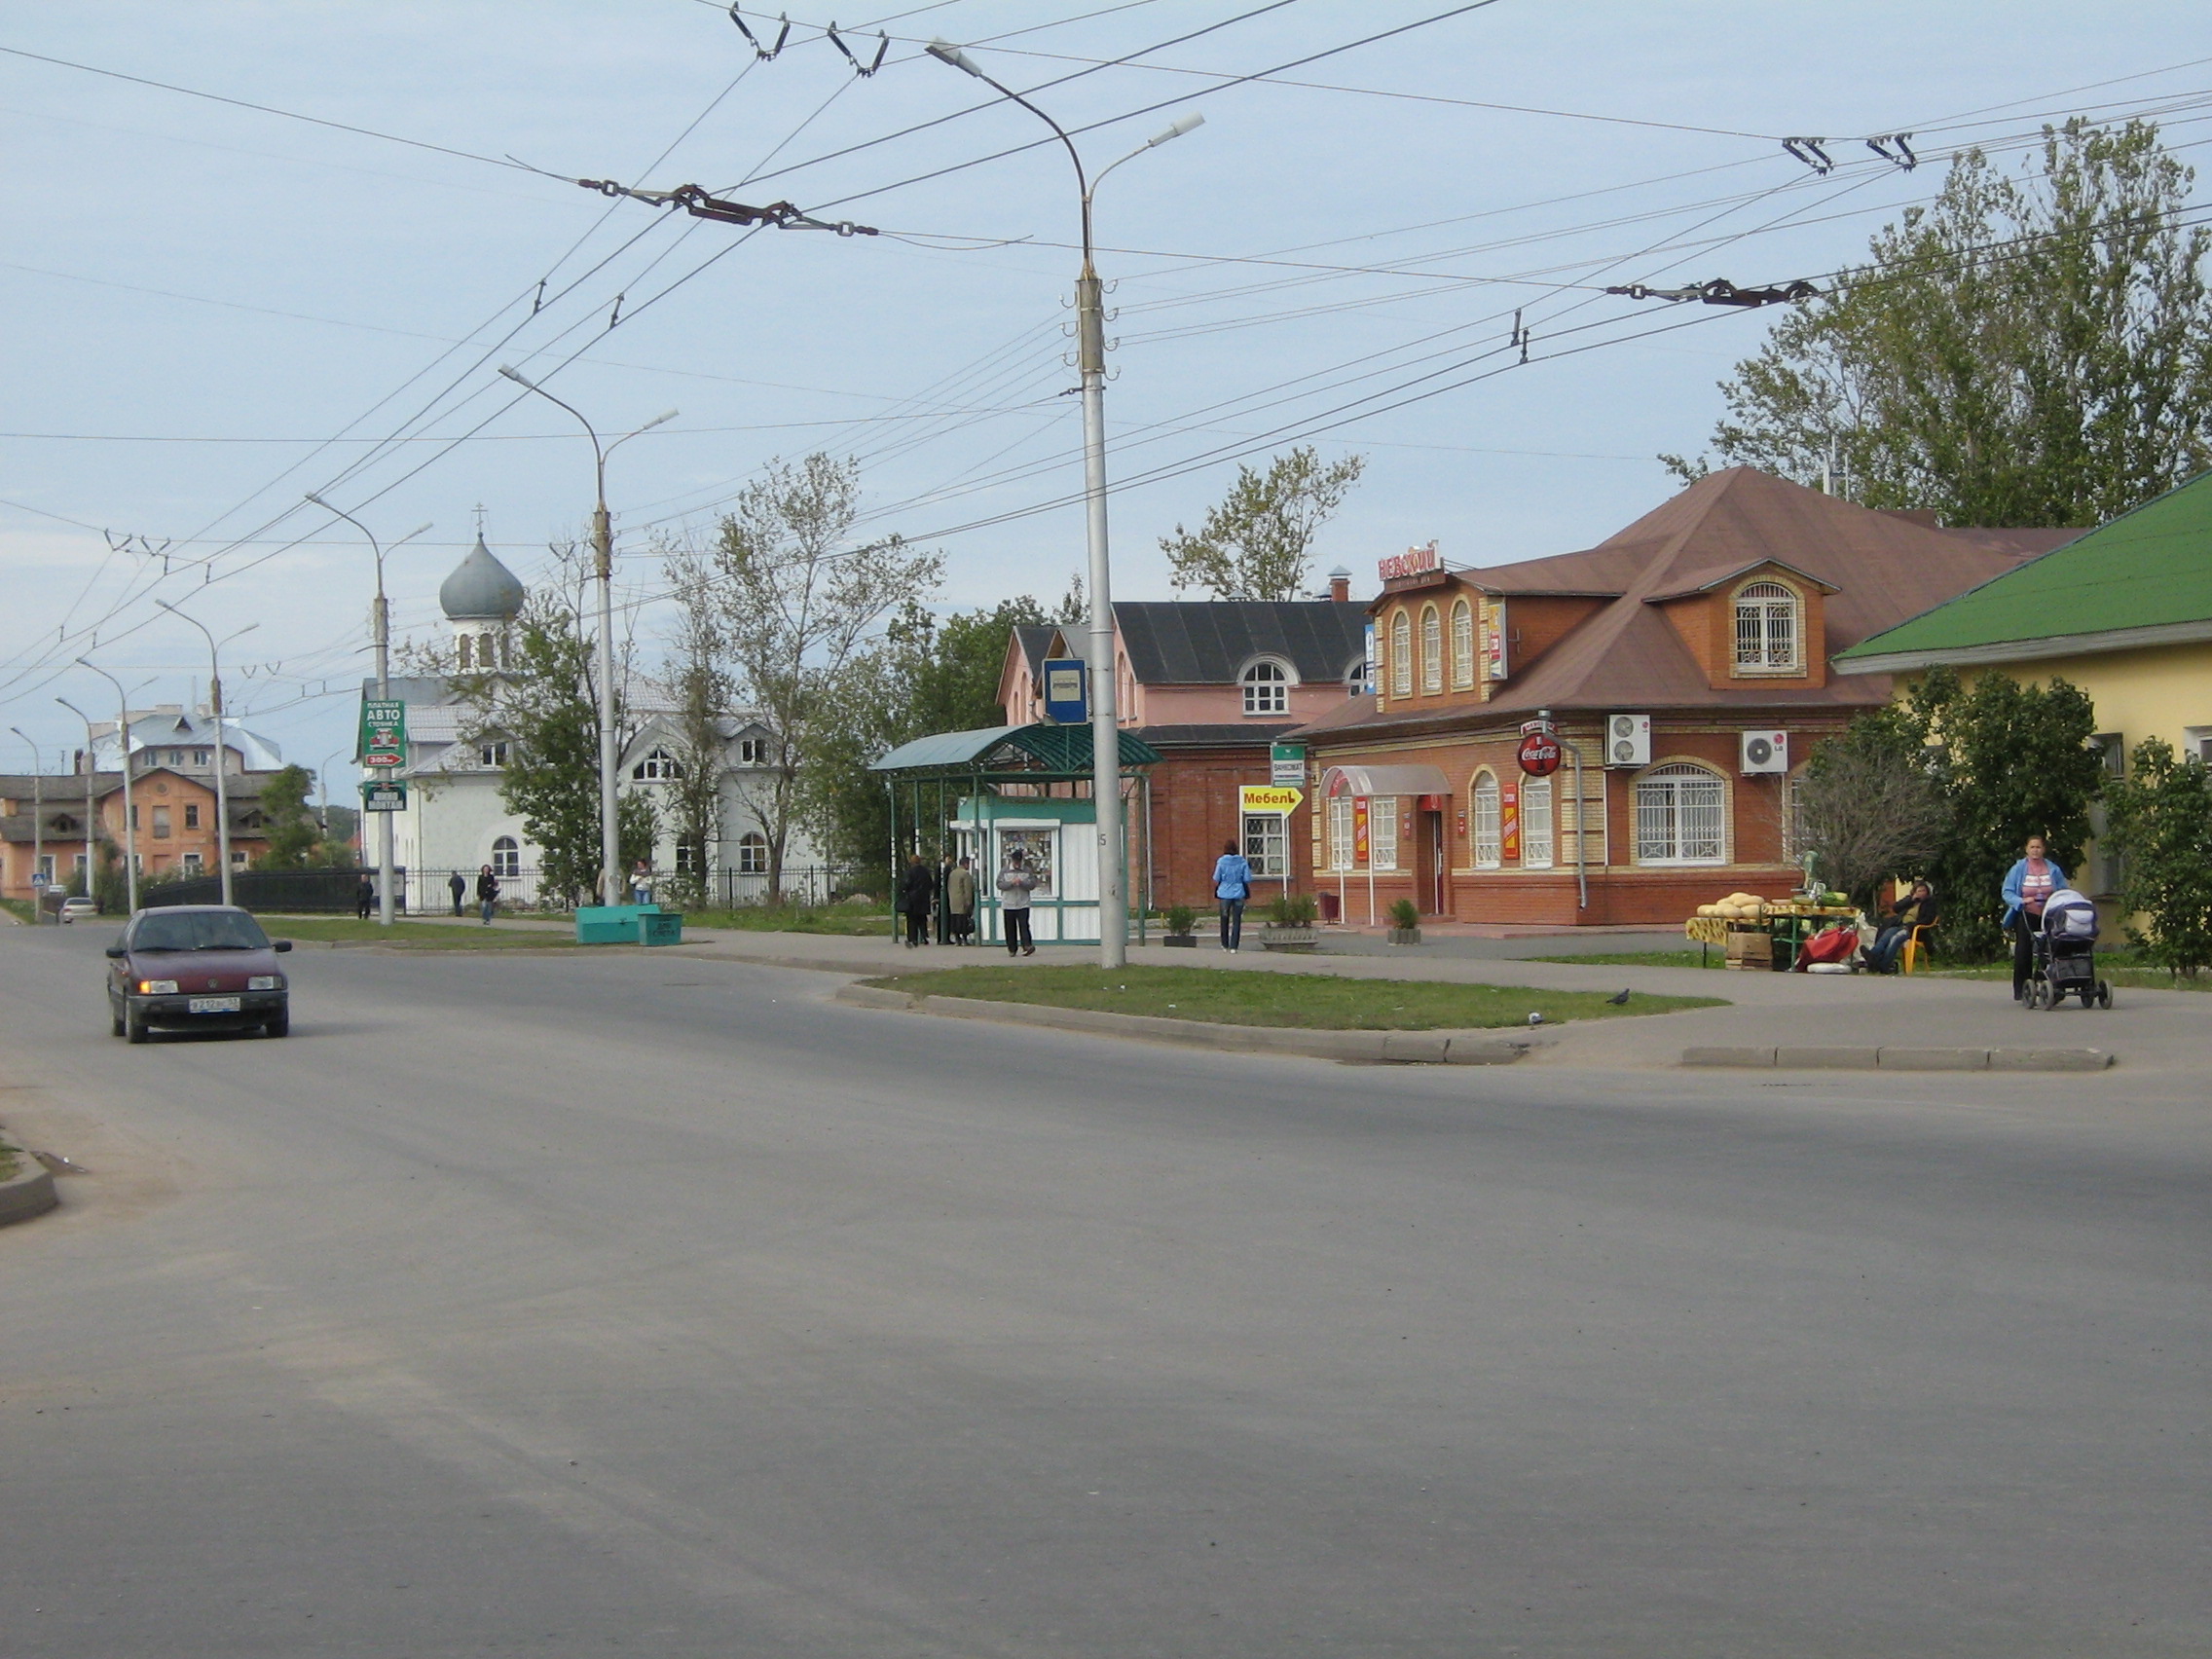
196,966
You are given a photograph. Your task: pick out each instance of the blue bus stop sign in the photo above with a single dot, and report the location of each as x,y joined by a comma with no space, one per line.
1067,687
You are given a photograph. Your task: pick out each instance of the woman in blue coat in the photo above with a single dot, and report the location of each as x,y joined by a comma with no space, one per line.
2028,886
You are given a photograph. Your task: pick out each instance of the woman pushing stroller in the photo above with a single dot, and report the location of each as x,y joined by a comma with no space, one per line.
2028,887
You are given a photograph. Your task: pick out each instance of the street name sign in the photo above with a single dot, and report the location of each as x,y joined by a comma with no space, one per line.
1286,763
385,795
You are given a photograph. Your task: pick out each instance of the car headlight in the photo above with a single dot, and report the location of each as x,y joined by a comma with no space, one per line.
266,982
156,987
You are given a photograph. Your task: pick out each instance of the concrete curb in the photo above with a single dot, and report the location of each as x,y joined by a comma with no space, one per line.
1906,1059
29,1193
1348,1048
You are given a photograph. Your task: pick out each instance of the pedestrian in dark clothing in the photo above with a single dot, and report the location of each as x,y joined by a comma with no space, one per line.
1016,883
365,898
1233,886
917,893
487,893
943,904
1916,911
458,885
960,902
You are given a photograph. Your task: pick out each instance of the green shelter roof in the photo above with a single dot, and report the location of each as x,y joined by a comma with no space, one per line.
2141,578
1063,750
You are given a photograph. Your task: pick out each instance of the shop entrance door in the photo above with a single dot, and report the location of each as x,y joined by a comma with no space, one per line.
1432,855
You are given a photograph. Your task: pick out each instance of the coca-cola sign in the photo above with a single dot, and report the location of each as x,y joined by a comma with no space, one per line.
1539,755
1413,561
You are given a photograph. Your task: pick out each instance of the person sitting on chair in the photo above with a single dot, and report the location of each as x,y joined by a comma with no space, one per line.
1916,911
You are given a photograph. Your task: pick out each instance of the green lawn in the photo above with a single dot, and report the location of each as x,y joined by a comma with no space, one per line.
856,921
415,936
1643,959
2117,971
1256,997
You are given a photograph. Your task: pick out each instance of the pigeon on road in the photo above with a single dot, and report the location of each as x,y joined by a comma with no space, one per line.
1620,1001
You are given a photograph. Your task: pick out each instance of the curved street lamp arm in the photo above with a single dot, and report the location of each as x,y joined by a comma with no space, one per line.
944,51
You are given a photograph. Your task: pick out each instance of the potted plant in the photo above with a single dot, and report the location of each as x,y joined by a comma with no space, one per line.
1405,922
1182,923
1290,923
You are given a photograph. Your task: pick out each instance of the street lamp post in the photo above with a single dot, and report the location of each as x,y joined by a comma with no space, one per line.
603,555
1090,360
91,776
215,699
38,821
382,625
129,811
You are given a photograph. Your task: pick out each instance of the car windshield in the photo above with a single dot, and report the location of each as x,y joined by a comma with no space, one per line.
200,929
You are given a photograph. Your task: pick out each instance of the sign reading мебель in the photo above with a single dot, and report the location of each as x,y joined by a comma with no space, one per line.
1267,798
384,733
1286,763
385,795
1068,700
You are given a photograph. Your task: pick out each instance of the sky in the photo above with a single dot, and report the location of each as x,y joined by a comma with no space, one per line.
215,308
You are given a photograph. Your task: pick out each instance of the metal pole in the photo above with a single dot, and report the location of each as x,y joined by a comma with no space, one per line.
91,776
1581,837
38,825
129,829
215,702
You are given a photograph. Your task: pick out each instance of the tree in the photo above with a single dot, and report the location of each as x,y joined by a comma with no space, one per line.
2014,760
1255,544
2023,351
1872,808
545,707
699,688
2159,826
797,606
291,829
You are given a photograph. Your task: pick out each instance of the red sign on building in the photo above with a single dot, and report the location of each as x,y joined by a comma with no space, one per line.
1540,755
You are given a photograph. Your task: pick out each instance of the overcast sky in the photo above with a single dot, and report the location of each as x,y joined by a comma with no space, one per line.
215,308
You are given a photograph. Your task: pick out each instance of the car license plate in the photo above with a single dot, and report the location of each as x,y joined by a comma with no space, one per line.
213,1005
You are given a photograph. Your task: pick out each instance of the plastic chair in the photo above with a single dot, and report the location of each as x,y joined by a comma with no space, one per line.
1909,959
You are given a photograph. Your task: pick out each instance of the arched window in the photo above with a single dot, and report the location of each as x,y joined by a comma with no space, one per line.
753,853
1537,823
1768,629
1488,845
659,768
1462,646
487,651
506,858
1681,816
1360,677
1266,690
467,651
1431,650
1401,655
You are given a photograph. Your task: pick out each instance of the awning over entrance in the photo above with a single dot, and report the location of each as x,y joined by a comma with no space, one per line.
1385,781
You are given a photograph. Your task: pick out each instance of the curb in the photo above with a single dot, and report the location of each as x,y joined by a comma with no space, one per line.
29,1193
1906,1059
1348,1048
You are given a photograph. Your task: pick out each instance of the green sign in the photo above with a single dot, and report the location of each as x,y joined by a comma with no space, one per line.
385,795
383,734
1287,763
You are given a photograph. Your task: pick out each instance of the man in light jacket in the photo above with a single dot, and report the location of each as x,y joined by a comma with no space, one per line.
1233,886
960,902
1016,883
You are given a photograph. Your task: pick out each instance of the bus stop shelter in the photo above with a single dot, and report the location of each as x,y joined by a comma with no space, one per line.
980,795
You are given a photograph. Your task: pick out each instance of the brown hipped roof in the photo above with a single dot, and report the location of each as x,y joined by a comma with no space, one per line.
1879,568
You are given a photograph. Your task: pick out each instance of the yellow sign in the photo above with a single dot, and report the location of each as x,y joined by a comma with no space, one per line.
1270,797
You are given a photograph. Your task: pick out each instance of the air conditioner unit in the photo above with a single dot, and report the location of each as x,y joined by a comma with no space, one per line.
1766,752
1628,740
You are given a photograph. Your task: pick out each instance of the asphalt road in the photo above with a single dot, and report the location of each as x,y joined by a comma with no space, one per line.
628,1302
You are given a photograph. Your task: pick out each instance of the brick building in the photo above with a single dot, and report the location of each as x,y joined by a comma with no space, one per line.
175,809
1686,658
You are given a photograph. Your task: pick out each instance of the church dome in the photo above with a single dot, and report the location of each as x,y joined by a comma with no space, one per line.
481,589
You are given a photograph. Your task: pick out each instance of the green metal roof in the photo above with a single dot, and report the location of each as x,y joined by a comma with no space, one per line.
2149,568
1037,749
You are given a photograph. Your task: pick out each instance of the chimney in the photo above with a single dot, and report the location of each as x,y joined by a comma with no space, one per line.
1340,585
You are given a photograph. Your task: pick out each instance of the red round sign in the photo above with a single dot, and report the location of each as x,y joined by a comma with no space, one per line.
1540,755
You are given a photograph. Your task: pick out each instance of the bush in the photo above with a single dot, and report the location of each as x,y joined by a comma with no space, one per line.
1181,919
1292,910
1405,914
2160,828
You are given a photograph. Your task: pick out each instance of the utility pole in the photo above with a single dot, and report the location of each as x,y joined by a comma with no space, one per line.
215,701
1090,363
130,810
91,775
38,825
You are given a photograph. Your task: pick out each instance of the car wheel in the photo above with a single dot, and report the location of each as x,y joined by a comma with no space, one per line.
135,1025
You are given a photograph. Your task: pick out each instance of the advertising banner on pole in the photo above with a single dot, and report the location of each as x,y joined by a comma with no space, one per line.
384,733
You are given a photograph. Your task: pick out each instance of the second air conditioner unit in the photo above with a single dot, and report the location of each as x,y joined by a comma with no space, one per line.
1628,740
1766,752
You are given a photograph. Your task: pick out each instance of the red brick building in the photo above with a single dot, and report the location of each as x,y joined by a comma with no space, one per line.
1685,659
175,828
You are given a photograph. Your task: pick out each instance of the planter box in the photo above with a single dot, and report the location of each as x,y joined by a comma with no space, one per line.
1272,938
1180,942
1405,935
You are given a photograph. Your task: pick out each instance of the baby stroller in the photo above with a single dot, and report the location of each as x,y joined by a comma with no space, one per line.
2066,954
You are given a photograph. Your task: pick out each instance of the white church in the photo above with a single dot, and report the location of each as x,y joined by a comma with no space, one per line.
455,821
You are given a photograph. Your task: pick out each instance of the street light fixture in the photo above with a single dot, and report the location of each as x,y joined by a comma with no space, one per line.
215,701
381,627
91,776
129,812
38,821
1091,359
602,553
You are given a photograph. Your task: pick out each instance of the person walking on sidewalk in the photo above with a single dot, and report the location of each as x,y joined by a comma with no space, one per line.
960,903
487,893
458,885
1233,886
1016,883
917,893
365,898
2028,884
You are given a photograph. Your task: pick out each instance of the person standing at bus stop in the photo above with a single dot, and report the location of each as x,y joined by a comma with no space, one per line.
1233,886
1016,884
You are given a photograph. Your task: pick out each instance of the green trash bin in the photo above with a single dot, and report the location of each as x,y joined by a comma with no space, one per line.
608,924
660,927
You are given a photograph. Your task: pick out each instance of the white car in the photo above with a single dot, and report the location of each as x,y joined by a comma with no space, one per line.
80,905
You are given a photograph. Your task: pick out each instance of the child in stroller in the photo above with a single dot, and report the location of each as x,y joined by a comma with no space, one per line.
2066,954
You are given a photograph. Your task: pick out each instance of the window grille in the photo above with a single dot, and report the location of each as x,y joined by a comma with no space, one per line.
506,858
1462,646
1382,833
1340,832
1680,816
1766,628
1537,823
1488,836
1431,651
1265,848
1266,690
1794,843
1401,655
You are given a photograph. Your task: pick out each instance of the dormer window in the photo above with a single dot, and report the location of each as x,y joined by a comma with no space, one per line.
1266,688
659,768
751,752
492,755
1769,629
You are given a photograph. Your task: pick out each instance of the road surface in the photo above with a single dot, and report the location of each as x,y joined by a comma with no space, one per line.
632,1303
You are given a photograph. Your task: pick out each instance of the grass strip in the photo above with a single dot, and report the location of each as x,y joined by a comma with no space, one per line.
11,1164
1638,959
1322,1002
849,921
414,935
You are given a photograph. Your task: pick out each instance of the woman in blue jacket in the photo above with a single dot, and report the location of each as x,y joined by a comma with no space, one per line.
1232,885
2028,886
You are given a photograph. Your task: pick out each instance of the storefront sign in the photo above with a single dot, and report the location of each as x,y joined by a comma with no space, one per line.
1493,639
1539,753
1268,798
1359,836
1286,763
1509,819
1066,687
1413,561
384,733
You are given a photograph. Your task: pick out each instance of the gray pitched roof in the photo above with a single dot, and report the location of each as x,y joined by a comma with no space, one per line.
1207,642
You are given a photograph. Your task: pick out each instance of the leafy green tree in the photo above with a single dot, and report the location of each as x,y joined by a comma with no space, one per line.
1872,806
1256,544
2014,760
2025,351
290,824
2159,826
698,684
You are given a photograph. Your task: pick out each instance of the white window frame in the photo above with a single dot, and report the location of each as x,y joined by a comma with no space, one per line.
1266,688
492,755
753,853
1382,833
1538,824
657,767
1658,808
1401,653
1431,650
506,858
1759,608
1341,844
1462,646
1267,844
753,750
1486,816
